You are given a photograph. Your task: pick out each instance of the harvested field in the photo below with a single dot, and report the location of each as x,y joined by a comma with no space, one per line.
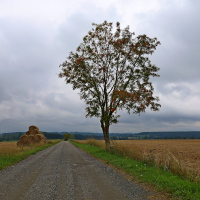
180,156
8,148
11,148
186,151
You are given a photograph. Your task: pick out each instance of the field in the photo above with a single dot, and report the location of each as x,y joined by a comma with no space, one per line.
10,153
187,152
179,156
11,148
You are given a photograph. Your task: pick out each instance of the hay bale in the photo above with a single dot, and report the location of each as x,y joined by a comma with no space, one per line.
26,143
19,143
28,133
33,127
35,132
31,138
38,137
43,137
44,140
24,138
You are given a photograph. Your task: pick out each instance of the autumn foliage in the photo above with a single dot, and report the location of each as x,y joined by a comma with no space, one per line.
112,71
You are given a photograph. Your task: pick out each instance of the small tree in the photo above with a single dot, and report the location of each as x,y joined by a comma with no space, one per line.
67,136
112,73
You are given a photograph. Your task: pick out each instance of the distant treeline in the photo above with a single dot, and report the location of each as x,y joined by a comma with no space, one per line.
17,135
85,137
10,136
113,136
169,135
53,135
143,135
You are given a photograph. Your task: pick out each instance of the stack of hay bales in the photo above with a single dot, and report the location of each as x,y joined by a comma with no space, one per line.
32,136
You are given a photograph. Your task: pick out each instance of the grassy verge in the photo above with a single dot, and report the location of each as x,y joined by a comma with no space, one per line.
10,157
177,187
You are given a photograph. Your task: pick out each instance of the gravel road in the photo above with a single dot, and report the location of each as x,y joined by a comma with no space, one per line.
64,172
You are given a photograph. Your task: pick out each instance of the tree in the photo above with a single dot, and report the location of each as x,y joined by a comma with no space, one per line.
111,72
67,136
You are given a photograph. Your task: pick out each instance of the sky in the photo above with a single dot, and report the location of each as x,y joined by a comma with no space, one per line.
37,36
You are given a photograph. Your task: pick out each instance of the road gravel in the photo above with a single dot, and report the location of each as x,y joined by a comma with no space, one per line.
64,172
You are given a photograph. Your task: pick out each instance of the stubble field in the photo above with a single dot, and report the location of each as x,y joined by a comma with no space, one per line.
179,156
9,148
187,152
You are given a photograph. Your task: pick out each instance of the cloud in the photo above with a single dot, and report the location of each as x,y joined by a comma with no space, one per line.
36,37
176,28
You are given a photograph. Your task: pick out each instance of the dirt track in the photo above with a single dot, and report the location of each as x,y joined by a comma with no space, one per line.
64,172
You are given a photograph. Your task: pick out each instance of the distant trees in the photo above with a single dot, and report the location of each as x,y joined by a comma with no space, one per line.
52,135
10,136
112,73
67,136
16,136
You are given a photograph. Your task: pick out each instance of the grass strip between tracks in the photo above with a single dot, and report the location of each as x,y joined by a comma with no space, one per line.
15,157
176,186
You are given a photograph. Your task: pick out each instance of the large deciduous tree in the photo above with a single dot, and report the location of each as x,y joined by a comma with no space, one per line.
111,71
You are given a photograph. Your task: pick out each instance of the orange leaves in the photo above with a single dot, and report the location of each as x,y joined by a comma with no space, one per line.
122,95
113,109
120,42
107,60
79,60
60,75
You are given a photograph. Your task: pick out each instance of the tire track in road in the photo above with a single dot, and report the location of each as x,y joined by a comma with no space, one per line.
64,172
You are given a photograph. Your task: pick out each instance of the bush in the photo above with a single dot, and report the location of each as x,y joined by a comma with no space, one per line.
67,136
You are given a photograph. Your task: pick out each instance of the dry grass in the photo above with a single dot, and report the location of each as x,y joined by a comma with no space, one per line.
11,148
179,156
11,154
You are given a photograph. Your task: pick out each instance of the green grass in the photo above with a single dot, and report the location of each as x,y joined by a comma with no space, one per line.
11,159
174,185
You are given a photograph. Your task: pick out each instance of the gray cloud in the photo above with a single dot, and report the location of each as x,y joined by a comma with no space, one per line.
33,42
177,29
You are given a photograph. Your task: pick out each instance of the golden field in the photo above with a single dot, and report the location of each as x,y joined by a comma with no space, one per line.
179,156
11,154
185,153
9,148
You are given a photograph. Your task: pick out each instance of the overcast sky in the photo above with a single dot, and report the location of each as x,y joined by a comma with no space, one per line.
37,36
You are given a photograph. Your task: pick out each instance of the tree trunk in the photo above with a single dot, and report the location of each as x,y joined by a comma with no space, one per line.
107,140
106,136
105,129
